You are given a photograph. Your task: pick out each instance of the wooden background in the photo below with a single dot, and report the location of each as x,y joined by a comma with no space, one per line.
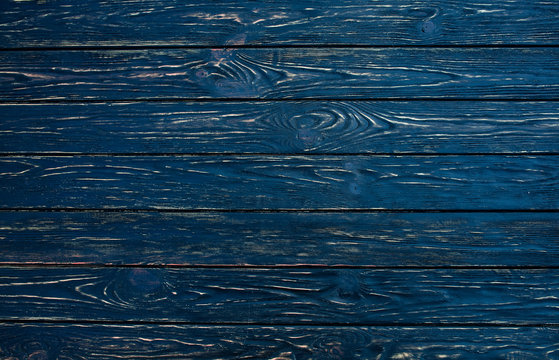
279,179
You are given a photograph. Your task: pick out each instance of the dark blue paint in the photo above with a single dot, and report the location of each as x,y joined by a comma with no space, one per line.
300,342
277,22
301,182
273,296
286,127
281,73
382,239
233,155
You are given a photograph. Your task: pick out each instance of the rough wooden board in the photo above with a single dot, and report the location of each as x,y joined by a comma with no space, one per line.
281,127
91,341
379,239
153,22
484,73
272,295
281,182
281,296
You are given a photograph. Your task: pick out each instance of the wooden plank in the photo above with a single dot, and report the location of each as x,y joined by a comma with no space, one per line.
281,127
223,22
378,239
488,73
55,341
281,296
281,182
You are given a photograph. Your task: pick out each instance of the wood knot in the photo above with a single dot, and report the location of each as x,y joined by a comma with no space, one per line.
428,27
348,286
144,280
309,137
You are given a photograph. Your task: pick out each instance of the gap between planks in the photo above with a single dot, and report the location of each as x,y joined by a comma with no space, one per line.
270,211
196,154
258,99
276,267
287,46
287,324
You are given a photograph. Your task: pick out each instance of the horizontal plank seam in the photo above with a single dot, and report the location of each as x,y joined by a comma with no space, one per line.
272,46
275,323
269,211
270,100
270,154
276,267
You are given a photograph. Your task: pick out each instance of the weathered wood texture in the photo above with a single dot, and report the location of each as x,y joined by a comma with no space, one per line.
383,239
140,78
55,341
286,182
281,127
153,22
528,73
281,296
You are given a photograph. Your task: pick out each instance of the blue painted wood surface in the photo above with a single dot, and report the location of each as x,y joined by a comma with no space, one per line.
396,239
264,182
279,180
318,127
271,296
148,341
277,22
281,73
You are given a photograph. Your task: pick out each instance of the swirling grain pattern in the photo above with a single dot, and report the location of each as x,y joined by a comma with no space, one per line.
55,341
285,127
281,296
380,239
309,22
402,154
282,73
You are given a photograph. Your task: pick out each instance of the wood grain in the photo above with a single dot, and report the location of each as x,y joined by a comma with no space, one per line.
223,22
379,239
281,127
185,180
54,341
484,73
281,182
281,296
